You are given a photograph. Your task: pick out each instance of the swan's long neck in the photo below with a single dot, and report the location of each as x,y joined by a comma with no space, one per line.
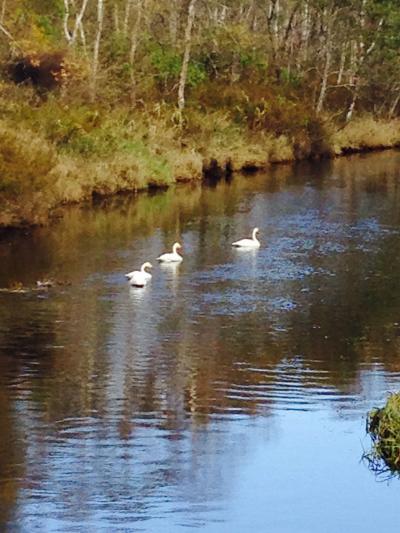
254,235
174,248
143,268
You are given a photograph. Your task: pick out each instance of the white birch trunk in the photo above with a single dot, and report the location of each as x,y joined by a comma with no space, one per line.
96,49
65,21
359,60
186,55
341,65
125,25
305,30
3,11
134,44
324,83
328,58
173,22
394,105
78,22
116,19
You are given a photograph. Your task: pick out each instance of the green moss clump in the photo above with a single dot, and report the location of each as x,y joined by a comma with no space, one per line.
384,427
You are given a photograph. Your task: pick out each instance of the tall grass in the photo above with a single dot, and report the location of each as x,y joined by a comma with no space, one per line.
366,133
384,427
26,184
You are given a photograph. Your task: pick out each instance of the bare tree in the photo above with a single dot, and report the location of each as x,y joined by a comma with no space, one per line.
134,44
331,16
78,24
128,7
96,48
173,21
3,11
394,104
359,57
186,55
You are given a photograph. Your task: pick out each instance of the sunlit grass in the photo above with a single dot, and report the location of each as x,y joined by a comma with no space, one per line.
384,427
57,150
366,133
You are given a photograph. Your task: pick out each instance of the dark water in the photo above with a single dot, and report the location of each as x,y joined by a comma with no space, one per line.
229,395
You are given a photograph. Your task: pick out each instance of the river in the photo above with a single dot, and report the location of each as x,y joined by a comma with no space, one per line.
230,394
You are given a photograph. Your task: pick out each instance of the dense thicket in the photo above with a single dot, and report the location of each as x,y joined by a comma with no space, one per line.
339,55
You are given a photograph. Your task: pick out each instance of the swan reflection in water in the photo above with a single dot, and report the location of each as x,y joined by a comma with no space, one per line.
170,273
138,294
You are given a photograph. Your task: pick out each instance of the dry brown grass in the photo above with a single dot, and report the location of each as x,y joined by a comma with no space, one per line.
366,133
59,154
218,138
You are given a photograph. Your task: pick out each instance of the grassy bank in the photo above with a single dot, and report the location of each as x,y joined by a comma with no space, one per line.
384,427
56,151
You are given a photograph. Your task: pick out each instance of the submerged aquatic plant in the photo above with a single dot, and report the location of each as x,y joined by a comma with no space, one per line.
383,425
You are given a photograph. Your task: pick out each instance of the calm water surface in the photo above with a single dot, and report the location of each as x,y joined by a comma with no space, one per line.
230,394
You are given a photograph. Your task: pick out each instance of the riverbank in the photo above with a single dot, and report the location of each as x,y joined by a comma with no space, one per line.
53,153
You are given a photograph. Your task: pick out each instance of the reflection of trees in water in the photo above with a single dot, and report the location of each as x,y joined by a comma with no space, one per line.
12,467
48,366
25,361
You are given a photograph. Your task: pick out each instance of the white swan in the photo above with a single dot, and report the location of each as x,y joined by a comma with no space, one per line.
248,243
173,257
139,278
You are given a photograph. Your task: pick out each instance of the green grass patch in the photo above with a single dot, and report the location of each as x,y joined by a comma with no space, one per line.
383,425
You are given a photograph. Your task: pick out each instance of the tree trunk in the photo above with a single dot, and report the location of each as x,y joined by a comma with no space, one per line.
78,25
305,32
328,57
394,105
134,43
352,105
362,54
3,11
324,83
96,49
125,25
116,19
186,55
272,27
341,65
65,21
173,22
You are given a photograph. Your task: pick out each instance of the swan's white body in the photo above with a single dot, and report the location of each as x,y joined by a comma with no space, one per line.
139,278
173,257
248,243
